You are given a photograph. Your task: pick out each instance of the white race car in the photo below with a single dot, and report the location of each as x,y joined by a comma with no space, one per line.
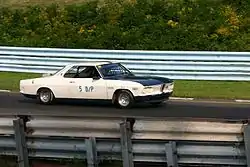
98,81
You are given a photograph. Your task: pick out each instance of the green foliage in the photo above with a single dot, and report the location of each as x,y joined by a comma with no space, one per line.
133,24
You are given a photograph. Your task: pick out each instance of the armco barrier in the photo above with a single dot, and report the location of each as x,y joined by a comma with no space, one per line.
174,142
191,65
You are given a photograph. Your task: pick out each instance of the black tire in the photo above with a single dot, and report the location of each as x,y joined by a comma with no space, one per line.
45,96
124,99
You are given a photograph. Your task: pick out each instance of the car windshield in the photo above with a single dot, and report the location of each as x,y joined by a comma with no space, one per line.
114,69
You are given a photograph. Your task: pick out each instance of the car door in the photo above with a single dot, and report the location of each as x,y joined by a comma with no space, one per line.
70,89
87,84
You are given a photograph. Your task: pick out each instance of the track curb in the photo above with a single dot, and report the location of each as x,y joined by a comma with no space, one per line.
210,100
3,90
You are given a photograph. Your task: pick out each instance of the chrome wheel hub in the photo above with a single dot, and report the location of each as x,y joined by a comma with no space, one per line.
45,96
123,99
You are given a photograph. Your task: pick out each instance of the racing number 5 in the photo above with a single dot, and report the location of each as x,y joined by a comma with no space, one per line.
80,88
87,89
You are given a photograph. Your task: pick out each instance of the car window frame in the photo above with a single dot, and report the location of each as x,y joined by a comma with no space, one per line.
77,71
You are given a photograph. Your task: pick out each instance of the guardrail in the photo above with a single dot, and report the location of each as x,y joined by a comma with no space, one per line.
174,142
191,65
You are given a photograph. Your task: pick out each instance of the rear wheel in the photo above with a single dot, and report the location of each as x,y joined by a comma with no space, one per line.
124,99
45,96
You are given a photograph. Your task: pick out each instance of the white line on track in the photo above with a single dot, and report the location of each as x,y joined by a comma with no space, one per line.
1,90
242,101
180,98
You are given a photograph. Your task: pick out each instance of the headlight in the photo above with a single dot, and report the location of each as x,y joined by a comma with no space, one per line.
147,90
169,87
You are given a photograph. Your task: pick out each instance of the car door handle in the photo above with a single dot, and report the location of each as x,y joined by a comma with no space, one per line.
71,81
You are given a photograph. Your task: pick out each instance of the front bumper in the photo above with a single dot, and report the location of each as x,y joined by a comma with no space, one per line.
153,98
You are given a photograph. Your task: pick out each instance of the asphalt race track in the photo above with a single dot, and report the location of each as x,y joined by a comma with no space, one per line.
14,103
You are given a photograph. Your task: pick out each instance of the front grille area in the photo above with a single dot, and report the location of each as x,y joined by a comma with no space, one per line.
162,87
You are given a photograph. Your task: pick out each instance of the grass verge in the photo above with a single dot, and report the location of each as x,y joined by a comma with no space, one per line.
198,89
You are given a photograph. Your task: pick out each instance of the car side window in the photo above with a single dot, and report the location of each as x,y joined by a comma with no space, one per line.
88,72
71,73
82,72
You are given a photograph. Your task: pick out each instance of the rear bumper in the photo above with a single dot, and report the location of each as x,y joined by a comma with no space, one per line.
153,98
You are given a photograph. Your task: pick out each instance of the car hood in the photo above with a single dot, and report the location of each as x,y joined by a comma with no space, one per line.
144,80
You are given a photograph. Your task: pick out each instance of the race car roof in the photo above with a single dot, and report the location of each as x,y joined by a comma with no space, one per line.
91,63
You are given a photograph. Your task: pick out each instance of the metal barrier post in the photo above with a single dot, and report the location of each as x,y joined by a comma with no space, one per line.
171,154
126,144
21,147
91,152
247,143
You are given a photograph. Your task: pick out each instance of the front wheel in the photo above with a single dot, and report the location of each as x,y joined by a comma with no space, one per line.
45,96
124,99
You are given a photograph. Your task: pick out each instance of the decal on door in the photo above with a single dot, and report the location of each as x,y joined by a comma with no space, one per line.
86,89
